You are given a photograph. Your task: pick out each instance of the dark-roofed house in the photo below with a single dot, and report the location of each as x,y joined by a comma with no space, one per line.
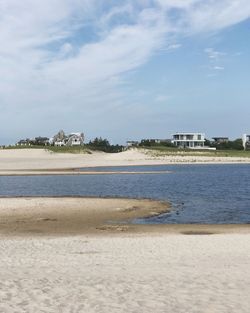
218,140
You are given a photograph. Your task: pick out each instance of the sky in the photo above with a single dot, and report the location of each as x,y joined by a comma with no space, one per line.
124,70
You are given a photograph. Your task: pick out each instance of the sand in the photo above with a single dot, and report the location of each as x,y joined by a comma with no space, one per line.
80,255
64,216
37,161
73,215
125,273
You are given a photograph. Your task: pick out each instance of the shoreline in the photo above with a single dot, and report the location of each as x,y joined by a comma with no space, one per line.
64,172
76,172
72,216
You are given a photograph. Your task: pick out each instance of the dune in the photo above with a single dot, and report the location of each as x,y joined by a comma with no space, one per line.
41,161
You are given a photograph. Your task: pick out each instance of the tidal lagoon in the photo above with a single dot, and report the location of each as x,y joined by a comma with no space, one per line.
204,194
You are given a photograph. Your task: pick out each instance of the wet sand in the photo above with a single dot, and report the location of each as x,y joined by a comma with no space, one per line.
73,215
64,172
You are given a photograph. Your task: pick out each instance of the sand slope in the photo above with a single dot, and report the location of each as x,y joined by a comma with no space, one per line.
30,159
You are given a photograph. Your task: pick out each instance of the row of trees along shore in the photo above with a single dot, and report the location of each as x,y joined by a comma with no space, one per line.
228,145
100,144
103,145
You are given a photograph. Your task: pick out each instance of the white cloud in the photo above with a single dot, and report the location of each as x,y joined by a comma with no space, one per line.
171,47
214,54
215,58
218,68
211,15
57,56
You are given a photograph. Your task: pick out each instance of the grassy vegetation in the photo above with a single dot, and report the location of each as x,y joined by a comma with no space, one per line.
156,151
22,147
165,151
74,149
64,149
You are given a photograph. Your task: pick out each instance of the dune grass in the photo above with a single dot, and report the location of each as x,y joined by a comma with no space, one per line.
168,151
156,151
55,149
74,149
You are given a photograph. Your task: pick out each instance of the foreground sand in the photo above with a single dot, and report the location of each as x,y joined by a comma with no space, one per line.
77,255
125,273
30,161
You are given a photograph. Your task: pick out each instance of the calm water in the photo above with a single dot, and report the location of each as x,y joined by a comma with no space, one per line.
198,193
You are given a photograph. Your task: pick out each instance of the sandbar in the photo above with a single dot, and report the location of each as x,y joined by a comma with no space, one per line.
66,216
73,215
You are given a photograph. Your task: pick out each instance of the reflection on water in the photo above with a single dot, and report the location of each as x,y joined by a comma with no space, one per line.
198,193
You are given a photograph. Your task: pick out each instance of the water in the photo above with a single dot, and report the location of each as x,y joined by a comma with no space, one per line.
198,193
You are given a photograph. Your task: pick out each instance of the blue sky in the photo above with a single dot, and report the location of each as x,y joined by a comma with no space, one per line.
124,69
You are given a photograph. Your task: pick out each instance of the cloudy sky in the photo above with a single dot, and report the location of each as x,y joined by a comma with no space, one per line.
124,69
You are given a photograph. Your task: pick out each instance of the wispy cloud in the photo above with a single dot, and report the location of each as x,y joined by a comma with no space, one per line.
213,54
172,47
218,68
215,59
57,56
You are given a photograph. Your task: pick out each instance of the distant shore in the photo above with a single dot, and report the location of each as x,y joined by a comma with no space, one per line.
42,162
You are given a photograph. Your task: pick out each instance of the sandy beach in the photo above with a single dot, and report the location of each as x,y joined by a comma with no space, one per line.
126,273
83,265
80,254
124,156
42,162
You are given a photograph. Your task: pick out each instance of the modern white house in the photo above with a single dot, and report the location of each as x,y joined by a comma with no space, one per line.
189,140
246,141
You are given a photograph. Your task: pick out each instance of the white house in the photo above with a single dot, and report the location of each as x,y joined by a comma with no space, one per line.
75,139
189,140
246,141
59,143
